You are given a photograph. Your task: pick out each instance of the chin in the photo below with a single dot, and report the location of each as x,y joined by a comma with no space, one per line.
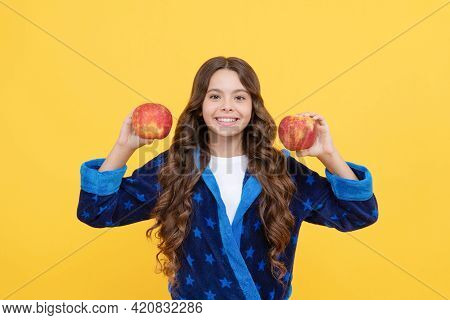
225,133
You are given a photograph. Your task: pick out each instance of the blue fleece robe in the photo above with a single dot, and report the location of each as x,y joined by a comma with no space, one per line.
222,260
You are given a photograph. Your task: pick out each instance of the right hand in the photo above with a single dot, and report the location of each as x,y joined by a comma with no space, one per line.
128,138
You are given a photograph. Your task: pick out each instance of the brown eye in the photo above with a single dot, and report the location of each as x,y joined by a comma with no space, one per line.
243,98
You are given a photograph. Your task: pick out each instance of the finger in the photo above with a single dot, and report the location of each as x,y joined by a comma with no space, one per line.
320,119
132,131
320,122
314,115
318,116
130,115
306,114
128,119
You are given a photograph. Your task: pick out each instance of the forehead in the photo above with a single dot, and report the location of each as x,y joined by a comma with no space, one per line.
225,80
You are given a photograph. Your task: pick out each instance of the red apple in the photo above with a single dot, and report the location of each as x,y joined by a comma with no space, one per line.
297,132
151,121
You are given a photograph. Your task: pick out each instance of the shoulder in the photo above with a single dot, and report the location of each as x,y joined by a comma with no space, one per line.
154,165
295,168
160,159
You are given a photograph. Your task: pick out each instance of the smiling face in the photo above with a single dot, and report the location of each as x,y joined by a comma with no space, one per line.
227,107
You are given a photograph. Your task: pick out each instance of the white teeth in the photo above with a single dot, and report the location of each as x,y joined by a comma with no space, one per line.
226,119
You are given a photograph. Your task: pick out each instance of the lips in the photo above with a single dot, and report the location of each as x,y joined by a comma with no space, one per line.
227,117
227,123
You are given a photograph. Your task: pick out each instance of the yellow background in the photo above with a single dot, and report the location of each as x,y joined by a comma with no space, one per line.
71,71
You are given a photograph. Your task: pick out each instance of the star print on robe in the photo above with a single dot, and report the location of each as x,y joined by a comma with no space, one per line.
128,205
189,280
157,187
197,233
310,180
261,265
141,197
101,209
235,265
307,205
209,258
272,294
225,283
85,214
294,239
287,276
210,223
210,295
197,197
190,260
157,162
249,252
374,213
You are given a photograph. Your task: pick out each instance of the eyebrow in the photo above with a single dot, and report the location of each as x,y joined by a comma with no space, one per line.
237,90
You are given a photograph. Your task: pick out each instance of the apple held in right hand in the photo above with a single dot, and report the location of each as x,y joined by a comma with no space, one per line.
144,124
152,121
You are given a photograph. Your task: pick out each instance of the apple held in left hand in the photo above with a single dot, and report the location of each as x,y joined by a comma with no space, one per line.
316,132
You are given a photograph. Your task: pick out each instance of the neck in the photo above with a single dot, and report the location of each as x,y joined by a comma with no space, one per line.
226,147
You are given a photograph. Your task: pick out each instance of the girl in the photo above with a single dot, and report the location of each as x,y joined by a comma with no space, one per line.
226,234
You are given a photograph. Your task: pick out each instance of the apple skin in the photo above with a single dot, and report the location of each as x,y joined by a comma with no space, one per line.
151,121
297,132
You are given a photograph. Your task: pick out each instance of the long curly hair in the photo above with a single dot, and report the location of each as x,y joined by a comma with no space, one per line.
174,208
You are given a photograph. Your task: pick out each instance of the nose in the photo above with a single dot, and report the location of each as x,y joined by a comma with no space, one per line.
226,108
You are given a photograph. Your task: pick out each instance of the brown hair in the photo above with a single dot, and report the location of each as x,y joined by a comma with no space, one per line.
267,164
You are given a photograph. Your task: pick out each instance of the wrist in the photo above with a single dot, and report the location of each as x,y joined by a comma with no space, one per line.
116,158
123,148
327,156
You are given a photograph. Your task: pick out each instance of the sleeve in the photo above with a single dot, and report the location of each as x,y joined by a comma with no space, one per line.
336,202
107,199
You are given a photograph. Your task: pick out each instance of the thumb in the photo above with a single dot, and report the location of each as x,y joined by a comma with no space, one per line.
147,141
129,116
302,153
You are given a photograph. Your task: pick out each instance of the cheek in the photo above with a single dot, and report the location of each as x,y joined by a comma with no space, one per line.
247,113
207,111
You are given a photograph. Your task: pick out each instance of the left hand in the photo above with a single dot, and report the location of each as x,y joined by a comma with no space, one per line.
324,144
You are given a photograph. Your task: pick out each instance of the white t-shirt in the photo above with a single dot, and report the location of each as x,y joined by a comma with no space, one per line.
229,174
